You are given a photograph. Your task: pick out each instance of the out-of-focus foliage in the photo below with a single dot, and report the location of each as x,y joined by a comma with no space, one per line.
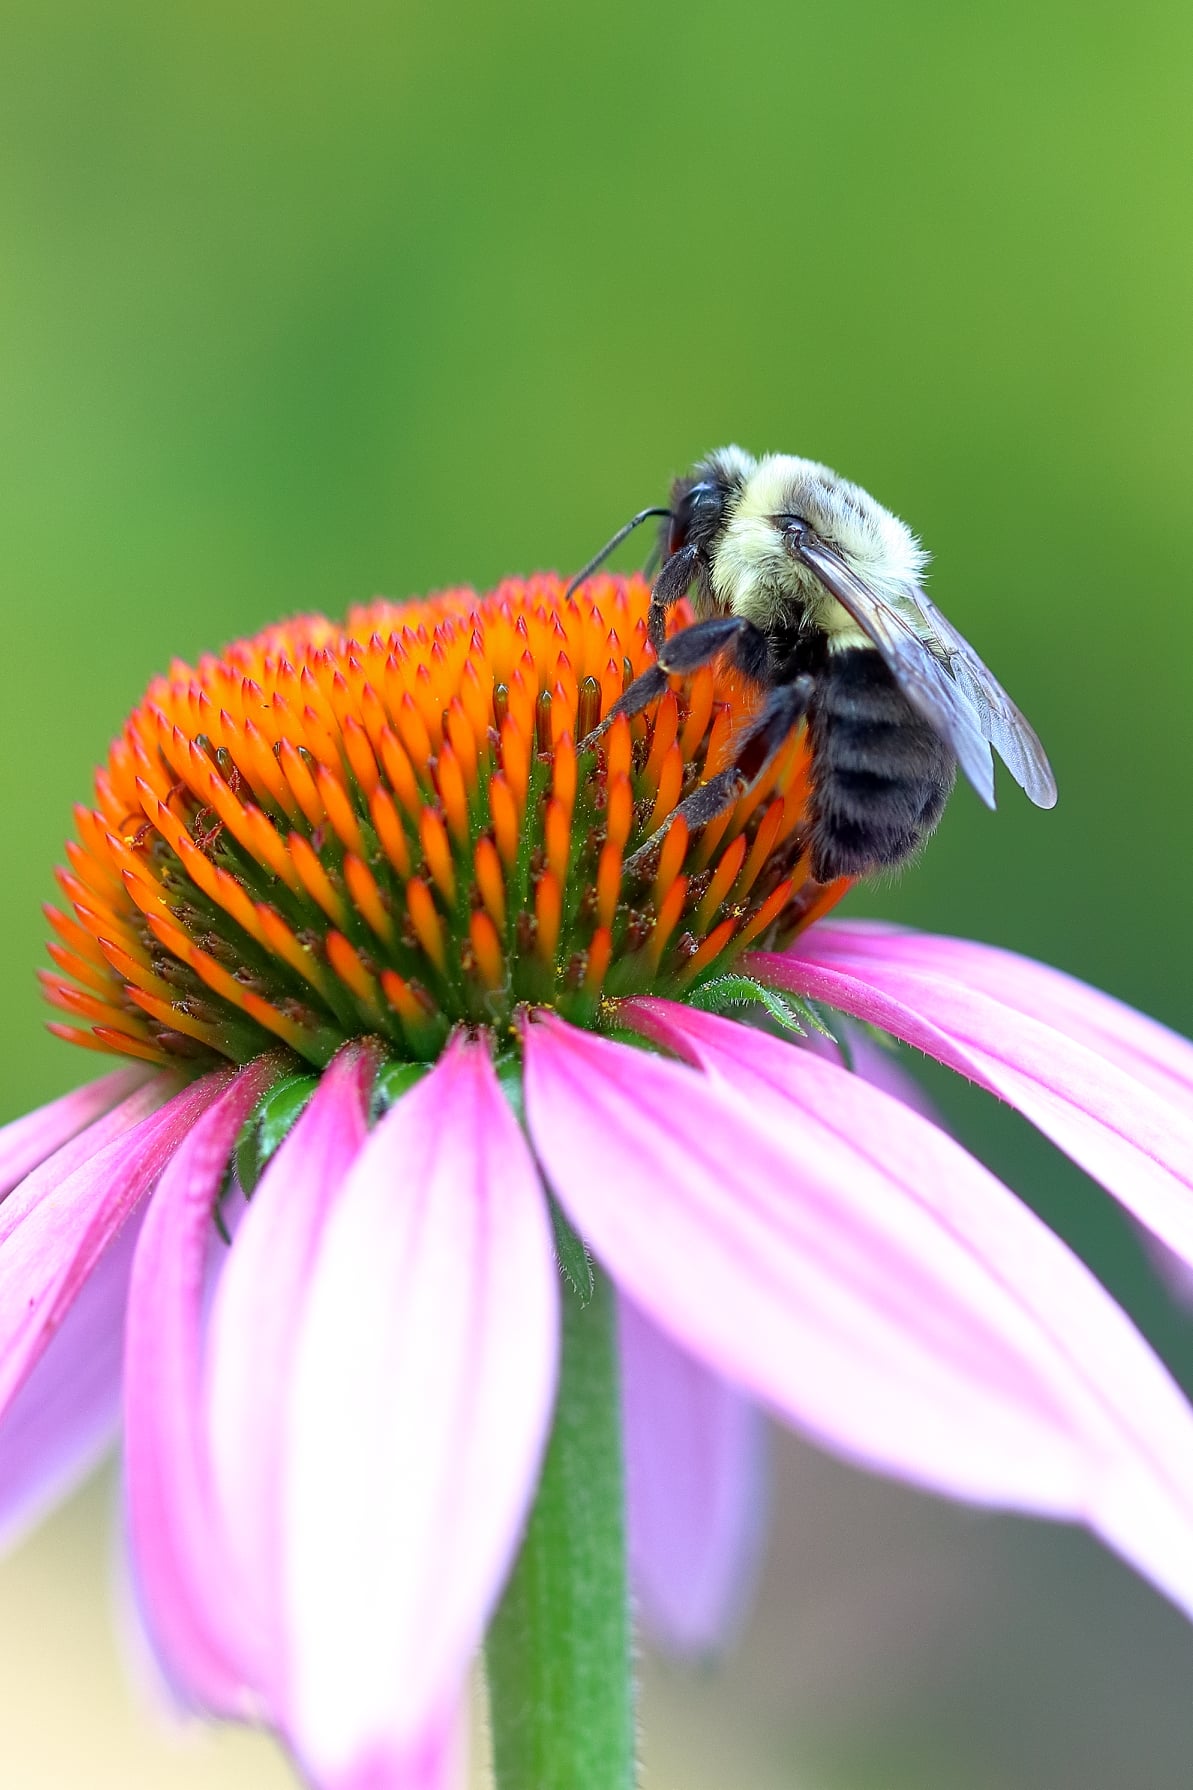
301,303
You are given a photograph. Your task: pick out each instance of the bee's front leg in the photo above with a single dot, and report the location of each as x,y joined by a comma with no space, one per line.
740,641
671,584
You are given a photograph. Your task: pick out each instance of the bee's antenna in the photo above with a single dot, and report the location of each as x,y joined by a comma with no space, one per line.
594,564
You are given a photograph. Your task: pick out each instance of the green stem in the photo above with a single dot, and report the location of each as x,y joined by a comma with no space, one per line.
561,1692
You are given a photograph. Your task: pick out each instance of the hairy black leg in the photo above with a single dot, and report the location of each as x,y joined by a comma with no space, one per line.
646,688
701,643
670,585
784,708
687,651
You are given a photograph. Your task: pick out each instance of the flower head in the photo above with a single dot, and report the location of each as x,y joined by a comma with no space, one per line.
441,986
394,828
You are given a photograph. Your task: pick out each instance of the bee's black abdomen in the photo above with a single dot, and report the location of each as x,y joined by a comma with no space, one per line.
881,775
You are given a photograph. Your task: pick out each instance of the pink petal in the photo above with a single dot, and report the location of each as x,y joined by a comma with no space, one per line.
1141,1046
65,1416
27,1141
696,1490
437,1761
424,1379
56,1225
837,1255
50,1174
1060,1057
188,1593
251,1339
875,1064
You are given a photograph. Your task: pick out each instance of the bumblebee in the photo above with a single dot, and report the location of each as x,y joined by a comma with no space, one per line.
813,592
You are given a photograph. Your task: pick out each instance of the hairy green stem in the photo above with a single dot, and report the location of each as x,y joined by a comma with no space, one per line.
559,1661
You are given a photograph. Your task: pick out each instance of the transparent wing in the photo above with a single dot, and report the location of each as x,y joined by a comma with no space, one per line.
1008,730
942,678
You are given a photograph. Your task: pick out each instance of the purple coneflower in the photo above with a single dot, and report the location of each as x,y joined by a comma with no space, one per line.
440,1130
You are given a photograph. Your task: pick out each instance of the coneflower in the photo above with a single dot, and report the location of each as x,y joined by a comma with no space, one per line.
462,1085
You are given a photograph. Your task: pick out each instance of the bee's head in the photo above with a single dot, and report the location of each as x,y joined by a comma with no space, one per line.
702,499
756,563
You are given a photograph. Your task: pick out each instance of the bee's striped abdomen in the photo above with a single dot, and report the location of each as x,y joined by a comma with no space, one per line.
882,776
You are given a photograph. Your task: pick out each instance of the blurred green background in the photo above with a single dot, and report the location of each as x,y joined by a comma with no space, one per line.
303,303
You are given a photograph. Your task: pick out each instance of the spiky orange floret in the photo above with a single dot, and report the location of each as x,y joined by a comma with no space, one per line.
388,828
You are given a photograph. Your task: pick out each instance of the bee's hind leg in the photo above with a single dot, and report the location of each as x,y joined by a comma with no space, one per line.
784,708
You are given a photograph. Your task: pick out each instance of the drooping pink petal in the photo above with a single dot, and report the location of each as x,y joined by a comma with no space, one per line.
189,1595
26,1142
695,1489
1142,1046
65,1416
1063,1061
423,1387
850,1264
49,1175
55,1226
251,1338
